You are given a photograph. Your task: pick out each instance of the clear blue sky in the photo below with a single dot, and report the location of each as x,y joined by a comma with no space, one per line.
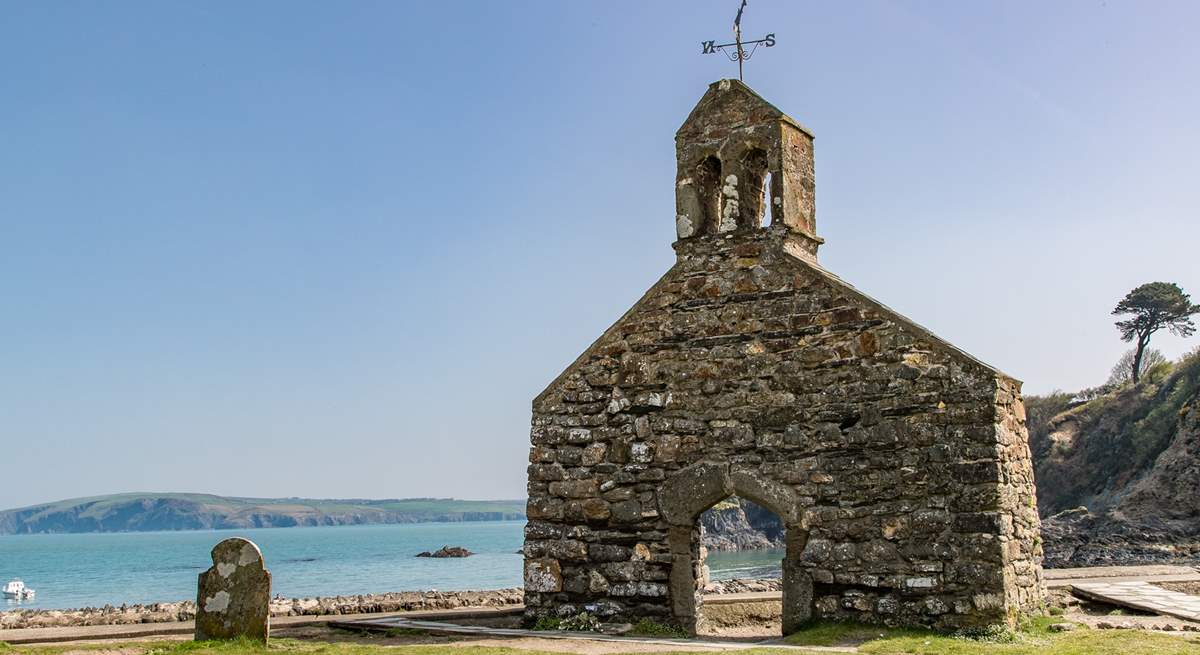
335,249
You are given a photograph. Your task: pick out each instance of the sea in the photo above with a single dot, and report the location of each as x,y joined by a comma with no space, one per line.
97,569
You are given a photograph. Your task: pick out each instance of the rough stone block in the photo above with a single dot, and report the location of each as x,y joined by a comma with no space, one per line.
543,575
692,490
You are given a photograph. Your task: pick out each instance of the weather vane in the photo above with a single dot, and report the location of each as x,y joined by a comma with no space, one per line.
739,54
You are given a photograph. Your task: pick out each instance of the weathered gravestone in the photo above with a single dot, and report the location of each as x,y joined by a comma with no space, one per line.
234,595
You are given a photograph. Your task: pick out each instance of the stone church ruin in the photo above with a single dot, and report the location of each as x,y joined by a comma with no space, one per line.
898,464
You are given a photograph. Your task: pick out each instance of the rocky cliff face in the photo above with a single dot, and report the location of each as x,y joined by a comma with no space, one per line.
1118,476
739,524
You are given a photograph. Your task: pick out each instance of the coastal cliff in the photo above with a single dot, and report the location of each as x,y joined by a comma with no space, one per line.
1117,475
738,524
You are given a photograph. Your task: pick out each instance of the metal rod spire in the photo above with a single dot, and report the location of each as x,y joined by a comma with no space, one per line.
737,38
736,51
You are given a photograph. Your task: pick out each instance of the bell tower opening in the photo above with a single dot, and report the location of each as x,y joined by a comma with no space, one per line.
755,171
772,200
708,186
743,165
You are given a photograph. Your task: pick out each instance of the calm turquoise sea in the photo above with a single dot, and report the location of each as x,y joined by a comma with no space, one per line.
80,570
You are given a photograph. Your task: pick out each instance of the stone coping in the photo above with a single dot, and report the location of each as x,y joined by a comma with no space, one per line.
747,597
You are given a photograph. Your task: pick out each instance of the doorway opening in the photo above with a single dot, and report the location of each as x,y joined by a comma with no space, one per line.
683,498
742,547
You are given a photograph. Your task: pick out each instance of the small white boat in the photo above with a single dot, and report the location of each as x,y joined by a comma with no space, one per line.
17,589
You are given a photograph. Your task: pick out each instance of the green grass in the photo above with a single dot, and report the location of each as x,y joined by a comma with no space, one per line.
832,633
547,623
1034,638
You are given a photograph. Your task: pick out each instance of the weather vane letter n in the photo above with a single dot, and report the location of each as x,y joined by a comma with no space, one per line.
736,51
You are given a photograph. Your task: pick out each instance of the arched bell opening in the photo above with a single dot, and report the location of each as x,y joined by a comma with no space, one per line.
774,200
754,212
708,187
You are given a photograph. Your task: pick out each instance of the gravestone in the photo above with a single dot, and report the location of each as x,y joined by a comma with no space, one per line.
233,596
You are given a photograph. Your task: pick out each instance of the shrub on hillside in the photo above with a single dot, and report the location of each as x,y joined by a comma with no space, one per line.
1040,409
1122,371
1092,393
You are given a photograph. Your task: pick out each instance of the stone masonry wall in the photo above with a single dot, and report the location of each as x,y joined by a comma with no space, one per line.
1022,537
907,458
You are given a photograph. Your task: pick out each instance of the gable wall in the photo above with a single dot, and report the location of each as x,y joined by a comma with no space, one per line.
908,457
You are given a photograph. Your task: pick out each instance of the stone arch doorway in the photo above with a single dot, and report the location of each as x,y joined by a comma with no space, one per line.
686,494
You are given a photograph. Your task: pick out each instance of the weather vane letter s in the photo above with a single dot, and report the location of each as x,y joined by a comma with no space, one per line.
738,52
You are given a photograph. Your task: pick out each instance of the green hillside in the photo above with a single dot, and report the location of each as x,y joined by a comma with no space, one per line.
138,512
1117,472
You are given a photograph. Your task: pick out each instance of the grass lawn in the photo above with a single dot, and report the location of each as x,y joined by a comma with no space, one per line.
1035,638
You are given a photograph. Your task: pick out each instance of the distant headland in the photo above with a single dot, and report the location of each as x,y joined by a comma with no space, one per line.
148,512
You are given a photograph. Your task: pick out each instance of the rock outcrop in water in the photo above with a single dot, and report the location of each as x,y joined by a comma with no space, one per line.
447,551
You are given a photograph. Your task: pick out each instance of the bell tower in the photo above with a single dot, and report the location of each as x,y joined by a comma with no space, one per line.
744,165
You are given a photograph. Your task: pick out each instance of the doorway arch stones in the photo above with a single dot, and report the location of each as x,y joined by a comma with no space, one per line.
686,494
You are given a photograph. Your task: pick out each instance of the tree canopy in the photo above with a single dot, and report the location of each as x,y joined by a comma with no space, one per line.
1154,306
